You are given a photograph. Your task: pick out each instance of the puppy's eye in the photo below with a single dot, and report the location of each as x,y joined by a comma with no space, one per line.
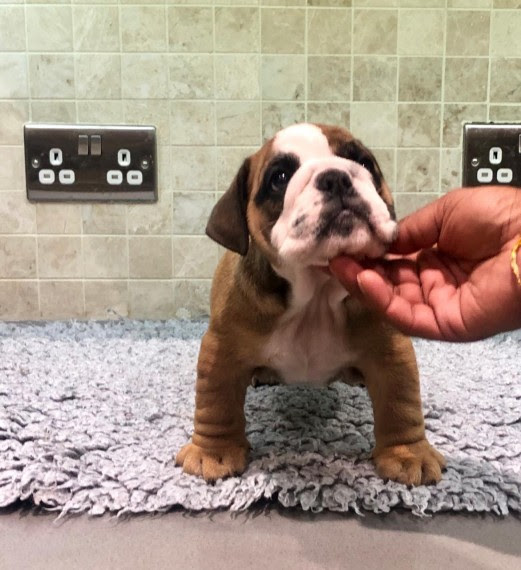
279,181
367,165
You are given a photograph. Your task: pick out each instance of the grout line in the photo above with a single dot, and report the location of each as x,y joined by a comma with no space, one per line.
442,111
489,76
28,71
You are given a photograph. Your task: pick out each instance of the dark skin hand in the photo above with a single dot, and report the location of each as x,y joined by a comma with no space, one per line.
450,276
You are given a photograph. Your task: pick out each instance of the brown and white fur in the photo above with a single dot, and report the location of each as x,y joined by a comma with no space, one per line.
309,194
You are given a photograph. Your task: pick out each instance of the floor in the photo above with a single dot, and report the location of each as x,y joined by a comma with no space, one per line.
268,538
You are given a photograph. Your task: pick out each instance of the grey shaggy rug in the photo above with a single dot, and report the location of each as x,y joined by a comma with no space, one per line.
91,415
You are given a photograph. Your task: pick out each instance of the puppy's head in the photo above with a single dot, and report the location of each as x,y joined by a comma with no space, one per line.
309,194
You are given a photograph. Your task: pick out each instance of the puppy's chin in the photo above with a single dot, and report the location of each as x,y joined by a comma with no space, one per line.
360,244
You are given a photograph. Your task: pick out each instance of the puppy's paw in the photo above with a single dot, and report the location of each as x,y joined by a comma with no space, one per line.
212,464
412,464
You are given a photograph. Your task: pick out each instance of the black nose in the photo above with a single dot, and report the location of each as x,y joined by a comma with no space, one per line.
335,183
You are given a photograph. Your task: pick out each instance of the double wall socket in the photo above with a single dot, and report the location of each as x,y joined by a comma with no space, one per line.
491,154
90,163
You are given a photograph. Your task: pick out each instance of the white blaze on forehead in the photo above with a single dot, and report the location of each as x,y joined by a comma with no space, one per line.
304,140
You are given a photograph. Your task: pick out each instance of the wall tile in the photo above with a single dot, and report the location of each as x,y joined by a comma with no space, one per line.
420,32
191,211
504,113
105,257
507,3
100,112
275,116
52,76
13,76
374,123
329,113
143,28
106,299
58,218
150,257
49,28
468,33
11,168
108,219
376,3
451,162
59,257
192,298
236,29
406,204
505,39
144,76
191,76
505,80
99,77
283,77
466,79
149,112
419,125
61,299
455,114
333,3
237,76
386,160
17,257
151,300
96,28
194,257
17,216
329,78
283,30
192,122
420,78
469,3
228,162
329,31
193,168
418,171
190,29
374,78
375,31
12,28
14,114
151,219
238,123
53,111
18,300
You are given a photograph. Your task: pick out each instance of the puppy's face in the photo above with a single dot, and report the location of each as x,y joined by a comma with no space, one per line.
311,193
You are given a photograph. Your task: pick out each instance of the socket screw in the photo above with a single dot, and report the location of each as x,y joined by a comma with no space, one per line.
35,162
474,162
145,163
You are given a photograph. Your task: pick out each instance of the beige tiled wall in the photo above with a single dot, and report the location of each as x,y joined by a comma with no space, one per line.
217,78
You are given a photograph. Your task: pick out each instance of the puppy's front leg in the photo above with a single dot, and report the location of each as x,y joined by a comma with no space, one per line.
219,447
402,452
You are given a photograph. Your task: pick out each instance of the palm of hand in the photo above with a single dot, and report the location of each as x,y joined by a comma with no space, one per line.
450,298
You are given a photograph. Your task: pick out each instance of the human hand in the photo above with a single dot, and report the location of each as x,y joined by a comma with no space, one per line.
452,279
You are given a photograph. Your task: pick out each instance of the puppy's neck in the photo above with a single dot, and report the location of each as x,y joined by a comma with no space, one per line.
308,283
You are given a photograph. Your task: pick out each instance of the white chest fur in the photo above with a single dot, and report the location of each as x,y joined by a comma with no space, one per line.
308,344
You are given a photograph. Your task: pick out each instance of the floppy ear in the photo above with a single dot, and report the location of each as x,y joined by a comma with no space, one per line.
227,224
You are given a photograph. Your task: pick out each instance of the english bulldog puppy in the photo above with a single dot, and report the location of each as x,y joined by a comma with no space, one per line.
311,193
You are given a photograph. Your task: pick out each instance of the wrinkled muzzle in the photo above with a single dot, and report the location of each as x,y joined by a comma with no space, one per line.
332,207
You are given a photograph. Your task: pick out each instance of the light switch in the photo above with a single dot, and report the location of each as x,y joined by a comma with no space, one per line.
83,145
95,145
